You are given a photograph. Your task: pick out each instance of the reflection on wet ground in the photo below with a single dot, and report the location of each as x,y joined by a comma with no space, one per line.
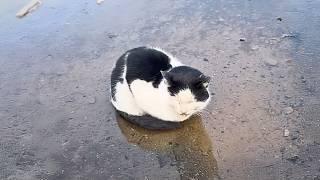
188,148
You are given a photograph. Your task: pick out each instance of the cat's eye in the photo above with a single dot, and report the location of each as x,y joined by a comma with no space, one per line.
198,86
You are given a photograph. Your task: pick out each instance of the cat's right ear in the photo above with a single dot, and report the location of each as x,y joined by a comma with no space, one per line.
163,73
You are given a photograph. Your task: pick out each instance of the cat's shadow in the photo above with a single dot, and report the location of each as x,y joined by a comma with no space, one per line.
188,147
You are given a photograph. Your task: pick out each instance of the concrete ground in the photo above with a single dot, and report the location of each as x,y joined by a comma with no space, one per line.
263,122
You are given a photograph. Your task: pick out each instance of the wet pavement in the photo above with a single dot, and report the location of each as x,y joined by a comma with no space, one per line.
263,121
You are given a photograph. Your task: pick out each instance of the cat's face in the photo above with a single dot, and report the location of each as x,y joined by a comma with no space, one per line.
185,104
188,88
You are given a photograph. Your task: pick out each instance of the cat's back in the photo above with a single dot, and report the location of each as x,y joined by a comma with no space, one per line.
145,63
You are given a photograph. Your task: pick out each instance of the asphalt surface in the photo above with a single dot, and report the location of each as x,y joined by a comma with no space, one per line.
262,123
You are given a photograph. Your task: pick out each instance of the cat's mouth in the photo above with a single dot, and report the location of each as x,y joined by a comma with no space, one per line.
184,114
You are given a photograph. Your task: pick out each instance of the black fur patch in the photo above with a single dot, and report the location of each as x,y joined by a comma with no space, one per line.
185,77
149,122
145,64
116,75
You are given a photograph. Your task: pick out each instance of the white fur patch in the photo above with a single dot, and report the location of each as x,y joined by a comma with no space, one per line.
186,104
159,103
125,101
154,101
124,98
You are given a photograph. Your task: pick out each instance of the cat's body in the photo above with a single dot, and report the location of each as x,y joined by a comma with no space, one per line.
149,81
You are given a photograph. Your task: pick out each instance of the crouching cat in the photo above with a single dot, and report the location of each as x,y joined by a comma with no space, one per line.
149,81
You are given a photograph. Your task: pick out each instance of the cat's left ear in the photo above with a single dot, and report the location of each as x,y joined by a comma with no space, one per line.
205,79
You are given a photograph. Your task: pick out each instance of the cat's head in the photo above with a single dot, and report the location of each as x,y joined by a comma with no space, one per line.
188,88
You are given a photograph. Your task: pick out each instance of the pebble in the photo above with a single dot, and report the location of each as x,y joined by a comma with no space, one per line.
271,62
111,36
221,19
289,61
293,158
288,96
288,36
91,100
99,1
255,47
242,39
288,110
295,135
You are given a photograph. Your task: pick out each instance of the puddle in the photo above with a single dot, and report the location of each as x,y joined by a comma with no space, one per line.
188,148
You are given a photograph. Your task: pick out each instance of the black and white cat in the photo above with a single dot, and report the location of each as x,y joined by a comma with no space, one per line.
150,81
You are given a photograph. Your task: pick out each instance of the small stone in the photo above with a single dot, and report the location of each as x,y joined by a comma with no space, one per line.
205,153
111,36
271,62
221,19
99,1
91,100
174,163
288,110
293,158
294,136
286,133
205,59
242,39
279,18
288,96
255,47
288,36
289,61
69,99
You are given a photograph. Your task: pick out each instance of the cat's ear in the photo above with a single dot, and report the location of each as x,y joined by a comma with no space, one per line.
163,73
205,79
167,77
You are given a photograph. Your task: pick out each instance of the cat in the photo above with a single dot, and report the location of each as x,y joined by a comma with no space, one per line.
150,81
